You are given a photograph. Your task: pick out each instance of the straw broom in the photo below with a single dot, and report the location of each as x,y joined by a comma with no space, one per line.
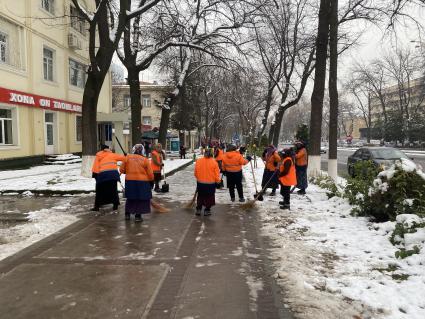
251,203
192,202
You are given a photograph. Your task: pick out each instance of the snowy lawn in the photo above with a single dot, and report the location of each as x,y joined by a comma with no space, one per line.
60,178
41,224
333,265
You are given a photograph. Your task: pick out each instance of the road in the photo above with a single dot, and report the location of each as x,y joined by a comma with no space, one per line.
417,156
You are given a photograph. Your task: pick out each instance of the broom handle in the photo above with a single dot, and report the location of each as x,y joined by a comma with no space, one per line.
253,175
119,143
265,186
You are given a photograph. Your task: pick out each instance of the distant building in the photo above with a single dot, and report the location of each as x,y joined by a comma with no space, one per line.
152,97
43,62
354,128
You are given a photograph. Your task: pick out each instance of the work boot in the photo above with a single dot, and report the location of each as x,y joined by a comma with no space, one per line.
232,199
198,212
285,206
127,216
138,218
282,203
115,207
301,192
157,189
207,212
273,193
242,200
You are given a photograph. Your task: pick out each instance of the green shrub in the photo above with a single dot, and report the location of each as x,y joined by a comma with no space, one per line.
393,192
357,188
327,183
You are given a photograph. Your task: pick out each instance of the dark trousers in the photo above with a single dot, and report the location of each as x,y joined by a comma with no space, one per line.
157,179
234,179
285,191
182,156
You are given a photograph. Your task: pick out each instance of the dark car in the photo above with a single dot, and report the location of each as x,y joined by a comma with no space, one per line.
380,156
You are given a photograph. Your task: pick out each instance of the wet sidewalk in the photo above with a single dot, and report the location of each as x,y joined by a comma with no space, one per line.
172,265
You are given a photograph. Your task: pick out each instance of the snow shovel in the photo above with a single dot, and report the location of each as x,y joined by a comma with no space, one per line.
258,196
165,188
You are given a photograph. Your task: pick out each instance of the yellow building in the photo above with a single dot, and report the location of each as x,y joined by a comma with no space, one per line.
43,62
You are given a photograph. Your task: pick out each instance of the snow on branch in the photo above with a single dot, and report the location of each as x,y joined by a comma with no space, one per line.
87,16
145,7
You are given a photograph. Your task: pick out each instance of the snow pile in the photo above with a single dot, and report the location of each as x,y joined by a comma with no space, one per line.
42,223
405,165
333,265
58,178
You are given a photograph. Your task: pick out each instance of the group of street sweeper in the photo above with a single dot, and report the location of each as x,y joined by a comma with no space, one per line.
287,169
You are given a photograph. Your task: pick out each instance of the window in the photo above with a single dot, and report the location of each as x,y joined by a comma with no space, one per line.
78,128
127,100
48,5
48,64
146,120
146,100
77,73
6,137
3,47
77,21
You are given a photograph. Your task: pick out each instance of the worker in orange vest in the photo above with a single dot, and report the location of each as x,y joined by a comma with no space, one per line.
271,159
287,177
218,155
301,167
157,162
138,179
207,175
105,171
232,168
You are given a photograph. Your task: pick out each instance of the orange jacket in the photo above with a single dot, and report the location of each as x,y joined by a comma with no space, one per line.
290,179
156,161
219,156
273,161
233,161
106,161
207,171
136,168
301,157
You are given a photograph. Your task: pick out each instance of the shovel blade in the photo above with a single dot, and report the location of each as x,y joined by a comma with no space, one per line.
165,188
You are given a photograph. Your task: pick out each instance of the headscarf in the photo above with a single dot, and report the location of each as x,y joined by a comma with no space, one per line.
139,149
208,152
270,151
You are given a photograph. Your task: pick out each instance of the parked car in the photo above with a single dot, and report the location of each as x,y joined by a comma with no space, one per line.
380,156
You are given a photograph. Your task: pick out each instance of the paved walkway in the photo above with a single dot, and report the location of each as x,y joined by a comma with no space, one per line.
173,265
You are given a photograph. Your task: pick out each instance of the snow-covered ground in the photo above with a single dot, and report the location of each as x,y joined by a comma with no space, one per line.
41,224
60,178
333,265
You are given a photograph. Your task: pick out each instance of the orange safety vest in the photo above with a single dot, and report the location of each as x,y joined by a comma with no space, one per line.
207,171
301,157
233,161
270,162
136,168
156,156
289,179
106,161
219,156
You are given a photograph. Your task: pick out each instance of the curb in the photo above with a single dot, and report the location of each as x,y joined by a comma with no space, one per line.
50,192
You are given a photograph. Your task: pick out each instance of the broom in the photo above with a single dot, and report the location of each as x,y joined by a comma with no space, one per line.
259,196
192,202
251,203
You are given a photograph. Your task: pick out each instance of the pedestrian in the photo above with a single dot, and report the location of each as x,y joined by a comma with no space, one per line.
287,178
301,167
207,175
232,168
138,183
182,152
242,150
147,148
105,171
157,163
271,159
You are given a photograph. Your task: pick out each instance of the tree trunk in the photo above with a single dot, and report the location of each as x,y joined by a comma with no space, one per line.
271,132
136,106
369,118
318,89
163,127
277,127
89,122
333,91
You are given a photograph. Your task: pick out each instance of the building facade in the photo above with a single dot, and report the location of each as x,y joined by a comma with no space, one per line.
43,59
